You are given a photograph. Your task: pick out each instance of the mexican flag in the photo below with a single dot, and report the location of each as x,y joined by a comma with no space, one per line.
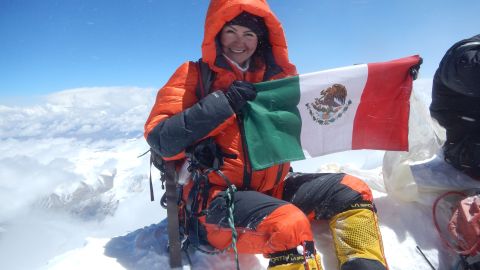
355,107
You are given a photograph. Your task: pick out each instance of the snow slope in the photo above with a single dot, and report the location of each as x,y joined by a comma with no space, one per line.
74,193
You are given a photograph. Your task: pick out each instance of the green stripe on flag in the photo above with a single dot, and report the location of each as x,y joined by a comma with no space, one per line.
272,123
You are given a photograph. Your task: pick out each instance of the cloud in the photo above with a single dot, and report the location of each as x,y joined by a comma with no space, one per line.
23,180
55,154
98,112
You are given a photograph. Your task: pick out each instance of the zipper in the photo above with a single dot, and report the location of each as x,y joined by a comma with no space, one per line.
247,168
279,173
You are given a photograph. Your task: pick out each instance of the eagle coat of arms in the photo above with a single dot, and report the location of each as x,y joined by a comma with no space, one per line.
330,106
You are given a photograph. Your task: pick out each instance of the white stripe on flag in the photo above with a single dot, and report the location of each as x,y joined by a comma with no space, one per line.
334,135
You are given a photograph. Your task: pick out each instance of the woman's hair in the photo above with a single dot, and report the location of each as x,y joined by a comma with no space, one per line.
252,22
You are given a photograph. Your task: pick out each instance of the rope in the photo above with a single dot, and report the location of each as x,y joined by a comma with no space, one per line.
463,253
233,246
231,222
230,198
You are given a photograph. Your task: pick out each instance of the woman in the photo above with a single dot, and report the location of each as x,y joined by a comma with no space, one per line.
243,44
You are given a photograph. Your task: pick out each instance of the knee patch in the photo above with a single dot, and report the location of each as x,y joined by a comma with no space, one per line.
288,226
359,186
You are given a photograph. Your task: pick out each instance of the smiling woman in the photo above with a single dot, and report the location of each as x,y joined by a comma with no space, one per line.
243,36
244,43
238,44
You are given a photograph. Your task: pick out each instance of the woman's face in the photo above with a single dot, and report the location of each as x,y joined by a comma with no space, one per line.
238,43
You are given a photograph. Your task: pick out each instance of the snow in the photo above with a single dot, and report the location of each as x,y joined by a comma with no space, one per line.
74,193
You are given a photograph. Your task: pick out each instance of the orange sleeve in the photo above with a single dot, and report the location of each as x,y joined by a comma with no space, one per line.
175,96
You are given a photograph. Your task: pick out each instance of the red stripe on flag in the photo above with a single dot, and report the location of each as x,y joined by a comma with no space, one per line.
381,121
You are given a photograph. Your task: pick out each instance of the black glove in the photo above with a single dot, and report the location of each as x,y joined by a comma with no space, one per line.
239,93
207,154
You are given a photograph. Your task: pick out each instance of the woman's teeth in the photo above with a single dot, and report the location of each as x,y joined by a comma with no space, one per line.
237,50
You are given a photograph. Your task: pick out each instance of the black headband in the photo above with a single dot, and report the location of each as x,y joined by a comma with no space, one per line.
254,23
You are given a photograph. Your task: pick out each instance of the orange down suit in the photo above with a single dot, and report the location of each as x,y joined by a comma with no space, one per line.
271,221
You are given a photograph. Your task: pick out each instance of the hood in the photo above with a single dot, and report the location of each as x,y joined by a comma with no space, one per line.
222,11
460,67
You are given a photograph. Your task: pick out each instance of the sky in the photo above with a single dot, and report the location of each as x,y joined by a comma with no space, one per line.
53,45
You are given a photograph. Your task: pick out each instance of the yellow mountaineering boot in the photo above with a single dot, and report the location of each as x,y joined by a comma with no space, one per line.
357,240
304,257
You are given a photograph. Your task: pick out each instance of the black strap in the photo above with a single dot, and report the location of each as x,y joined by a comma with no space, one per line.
247,168
205,79
172,215
152,197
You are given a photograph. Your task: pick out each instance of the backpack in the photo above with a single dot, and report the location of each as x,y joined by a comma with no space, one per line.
460,229
455,104
205,79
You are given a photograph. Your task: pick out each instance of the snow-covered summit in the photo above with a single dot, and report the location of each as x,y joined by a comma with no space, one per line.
74,193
